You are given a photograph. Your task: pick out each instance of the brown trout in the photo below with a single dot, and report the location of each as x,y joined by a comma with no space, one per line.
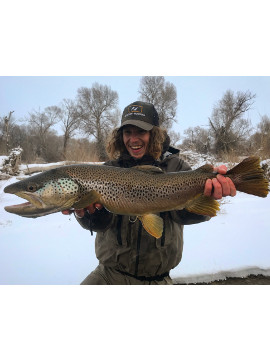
139,191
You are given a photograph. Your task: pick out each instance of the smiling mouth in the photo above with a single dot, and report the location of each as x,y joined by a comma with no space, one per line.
136,147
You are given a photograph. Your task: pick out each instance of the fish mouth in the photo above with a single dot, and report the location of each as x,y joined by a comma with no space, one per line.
35,207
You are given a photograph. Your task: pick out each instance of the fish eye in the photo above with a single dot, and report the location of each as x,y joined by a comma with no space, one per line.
32,187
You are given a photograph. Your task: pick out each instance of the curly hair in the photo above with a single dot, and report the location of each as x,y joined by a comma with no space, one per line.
116,147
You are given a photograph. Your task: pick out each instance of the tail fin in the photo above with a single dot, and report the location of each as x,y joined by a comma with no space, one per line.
248,177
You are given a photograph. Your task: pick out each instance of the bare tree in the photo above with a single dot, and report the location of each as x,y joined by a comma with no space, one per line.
41,124
163,96
197,138
174,137
98,113
69,119
264,125
6,131
260,140
227,125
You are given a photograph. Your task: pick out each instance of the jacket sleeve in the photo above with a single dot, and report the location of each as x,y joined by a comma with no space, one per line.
184,217
97,222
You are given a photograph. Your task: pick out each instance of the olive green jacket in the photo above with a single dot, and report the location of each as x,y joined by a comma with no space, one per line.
123,244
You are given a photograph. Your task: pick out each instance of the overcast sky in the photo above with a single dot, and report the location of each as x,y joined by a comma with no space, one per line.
210,50
196,95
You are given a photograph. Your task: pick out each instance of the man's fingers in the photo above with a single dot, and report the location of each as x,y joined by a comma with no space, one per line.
79,213
213,188
92,207
217,194
232,187
222,169
226,190
208,188
67,212
228,187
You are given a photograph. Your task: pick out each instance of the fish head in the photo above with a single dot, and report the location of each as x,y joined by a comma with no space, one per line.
46,193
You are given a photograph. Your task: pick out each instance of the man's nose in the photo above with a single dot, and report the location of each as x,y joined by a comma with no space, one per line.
134,136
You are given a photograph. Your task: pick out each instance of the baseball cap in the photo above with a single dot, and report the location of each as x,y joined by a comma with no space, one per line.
140,114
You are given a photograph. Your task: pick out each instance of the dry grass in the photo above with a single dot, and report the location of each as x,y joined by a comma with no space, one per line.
233,157
82,152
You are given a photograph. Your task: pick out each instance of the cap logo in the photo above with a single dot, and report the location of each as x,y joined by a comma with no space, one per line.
135,109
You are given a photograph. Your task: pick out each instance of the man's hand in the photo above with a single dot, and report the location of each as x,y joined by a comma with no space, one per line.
220,186
81,212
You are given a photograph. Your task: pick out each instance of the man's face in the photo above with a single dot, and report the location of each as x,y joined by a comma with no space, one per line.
136,141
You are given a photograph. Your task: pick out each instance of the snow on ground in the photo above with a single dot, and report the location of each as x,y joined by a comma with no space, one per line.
235,243
55,250
2,159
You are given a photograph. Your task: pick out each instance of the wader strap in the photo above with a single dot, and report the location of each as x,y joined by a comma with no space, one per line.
119,229
145,278
90,223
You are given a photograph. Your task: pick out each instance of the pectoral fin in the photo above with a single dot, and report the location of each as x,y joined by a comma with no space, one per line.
203,205
89,198
153,224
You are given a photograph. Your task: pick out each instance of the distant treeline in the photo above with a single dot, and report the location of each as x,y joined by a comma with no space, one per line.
87,121
229,132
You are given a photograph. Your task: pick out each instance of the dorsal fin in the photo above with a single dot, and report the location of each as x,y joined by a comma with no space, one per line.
148,169
207,168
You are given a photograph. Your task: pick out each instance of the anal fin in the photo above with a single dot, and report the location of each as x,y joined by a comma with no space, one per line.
203,205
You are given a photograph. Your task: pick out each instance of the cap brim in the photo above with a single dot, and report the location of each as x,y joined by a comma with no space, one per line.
141,124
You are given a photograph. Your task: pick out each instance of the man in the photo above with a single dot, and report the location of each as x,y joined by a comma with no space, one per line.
127,254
